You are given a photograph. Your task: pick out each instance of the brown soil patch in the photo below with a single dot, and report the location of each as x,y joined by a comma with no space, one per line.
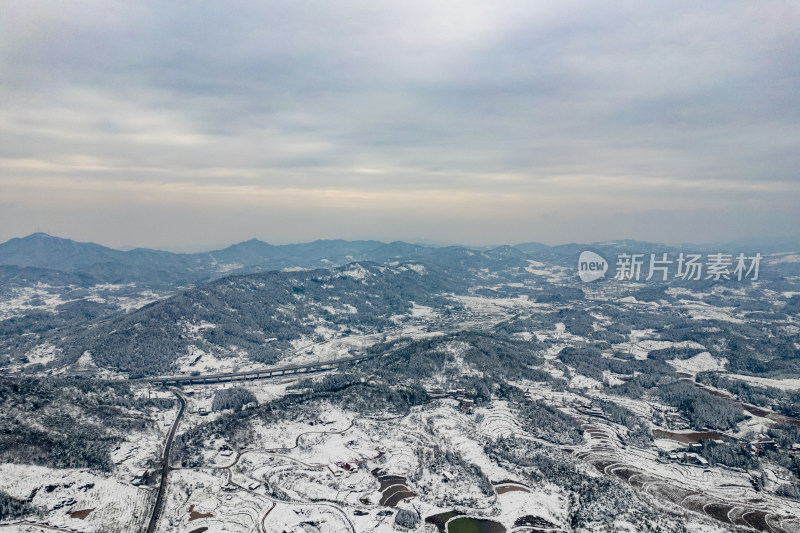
396,497
688,438
756,520
625,472
685,497
511,488
388,481
195,515
394,494
640,481
602,464
82,514
718,511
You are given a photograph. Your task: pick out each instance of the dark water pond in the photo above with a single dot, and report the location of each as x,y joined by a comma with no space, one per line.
393,488
688,437
474,525
464,524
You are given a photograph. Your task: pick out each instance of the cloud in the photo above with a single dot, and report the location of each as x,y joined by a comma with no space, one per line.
364,109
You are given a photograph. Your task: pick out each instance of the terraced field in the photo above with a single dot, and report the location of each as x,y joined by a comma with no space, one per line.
722,495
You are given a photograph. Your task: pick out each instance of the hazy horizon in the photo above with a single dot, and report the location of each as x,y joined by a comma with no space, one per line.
202,248
173,125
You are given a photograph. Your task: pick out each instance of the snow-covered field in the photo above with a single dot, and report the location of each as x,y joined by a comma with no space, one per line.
702,362
327,467
19,300
113,504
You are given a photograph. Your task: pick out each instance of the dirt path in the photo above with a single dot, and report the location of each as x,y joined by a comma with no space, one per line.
275,452
296,502
264,518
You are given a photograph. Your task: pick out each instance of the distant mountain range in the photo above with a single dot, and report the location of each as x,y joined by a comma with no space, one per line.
37,256
45,258
250,297
261,313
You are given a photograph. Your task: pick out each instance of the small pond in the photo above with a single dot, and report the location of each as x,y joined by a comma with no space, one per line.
689,436
454,522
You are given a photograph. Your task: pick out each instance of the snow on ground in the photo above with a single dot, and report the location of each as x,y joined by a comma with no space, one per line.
85,361
683,291
497,421
125,297
640,346
203,395
611,379
783,257
116,506
545,502
285,434
633,300
228,267
558,333
459,365
454,431
696,527
131,303
44,353
422,311
300,460
197,360
525,335
297,519
554,349
335,346
701,362
783,384
641,408
419,269
139,451
582,382
703,311
668,445
356,272
673,479
500,308
537,268
19,300
197,499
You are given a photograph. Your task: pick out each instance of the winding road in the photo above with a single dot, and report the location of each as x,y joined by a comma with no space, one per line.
275,453
162,487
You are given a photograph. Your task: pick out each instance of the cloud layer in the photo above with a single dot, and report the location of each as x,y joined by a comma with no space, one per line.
193,122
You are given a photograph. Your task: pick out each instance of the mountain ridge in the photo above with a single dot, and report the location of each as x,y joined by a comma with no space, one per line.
92,261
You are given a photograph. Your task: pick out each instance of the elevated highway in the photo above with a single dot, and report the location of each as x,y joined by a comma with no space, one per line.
250,375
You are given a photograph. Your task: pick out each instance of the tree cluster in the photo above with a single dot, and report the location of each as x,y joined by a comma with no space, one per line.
234,398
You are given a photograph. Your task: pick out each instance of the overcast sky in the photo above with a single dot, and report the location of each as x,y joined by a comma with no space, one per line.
197,123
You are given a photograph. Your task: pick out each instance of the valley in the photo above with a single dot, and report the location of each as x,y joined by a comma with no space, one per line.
467,391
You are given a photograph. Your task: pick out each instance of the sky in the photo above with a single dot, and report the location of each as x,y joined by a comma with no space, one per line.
170,124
